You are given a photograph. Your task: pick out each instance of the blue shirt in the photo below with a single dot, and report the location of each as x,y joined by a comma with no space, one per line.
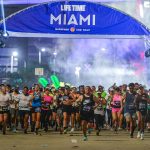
37,101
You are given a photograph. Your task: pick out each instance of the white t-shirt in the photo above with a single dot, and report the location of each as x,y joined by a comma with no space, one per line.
99,110
24,102
4,99
15,98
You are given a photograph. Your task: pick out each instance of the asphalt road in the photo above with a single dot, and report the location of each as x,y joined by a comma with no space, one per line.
107,140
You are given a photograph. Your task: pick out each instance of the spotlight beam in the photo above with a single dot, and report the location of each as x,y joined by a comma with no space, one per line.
3,17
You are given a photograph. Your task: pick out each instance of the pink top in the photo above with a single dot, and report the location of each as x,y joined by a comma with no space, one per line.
47,102
117,101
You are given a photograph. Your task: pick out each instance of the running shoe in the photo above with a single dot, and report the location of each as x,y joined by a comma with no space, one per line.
97,132
36,132
4,132
131,135
25,131
89,130
138,134
119,129
85,138
65,131
142,136
72,130
14,130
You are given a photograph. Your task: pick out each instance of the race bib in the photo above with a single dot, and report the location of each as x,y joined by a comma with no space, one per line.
87,108
117,104
131,106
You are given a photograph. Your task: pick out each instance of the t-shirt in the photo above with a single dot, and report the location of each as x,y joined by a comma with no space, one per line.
99,109
47,101
14,99
24,101
4,99
36,102
66,98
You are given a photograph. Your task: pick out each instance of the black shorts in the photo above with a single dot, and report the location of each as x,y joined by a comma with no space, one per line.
22,113
87,116
77,109
73,110
67,109
144,113
4,110
54,110
48,112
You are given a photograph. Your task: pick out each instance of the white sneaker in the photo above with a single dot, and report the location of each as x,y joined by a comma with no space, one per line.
138,134
65,131
72,130
142,136
119,129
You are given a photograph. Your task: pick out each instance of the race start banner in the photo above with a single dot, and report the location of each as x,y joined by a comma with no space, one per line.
73,18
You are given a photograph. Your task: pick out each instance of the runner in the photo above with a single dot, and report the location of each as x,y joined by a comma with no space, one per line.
117,107
53,108
14,108
36,109
4,106
129,109
46,109
75,110
24,108
59,109
67,108
109,108
148,112
122,120
103,95
99,113
141,100
87,110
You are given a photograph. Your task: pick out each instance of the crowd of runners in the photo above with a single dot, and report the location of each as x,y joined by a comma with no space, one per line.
67,109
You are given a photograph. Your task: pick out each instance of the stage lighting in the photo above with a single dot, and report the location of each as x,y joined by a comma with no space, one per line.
4,34
147,53
43,49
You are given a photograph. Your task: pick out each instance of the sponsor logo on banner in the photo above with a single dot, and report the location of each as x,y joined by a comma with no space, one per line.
72,18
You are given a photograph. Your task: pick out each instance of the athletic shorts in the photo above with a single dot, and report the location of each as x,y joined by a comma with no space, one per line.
22,113
4,110
59,112
73,110
54,110
45,113
129,114
36,109
77,109
87,116
144,114
67,109
115,110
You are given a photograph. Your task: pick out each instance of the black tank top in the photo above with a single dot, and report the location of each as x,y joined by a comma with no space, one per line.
87,103
129,103
141,103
